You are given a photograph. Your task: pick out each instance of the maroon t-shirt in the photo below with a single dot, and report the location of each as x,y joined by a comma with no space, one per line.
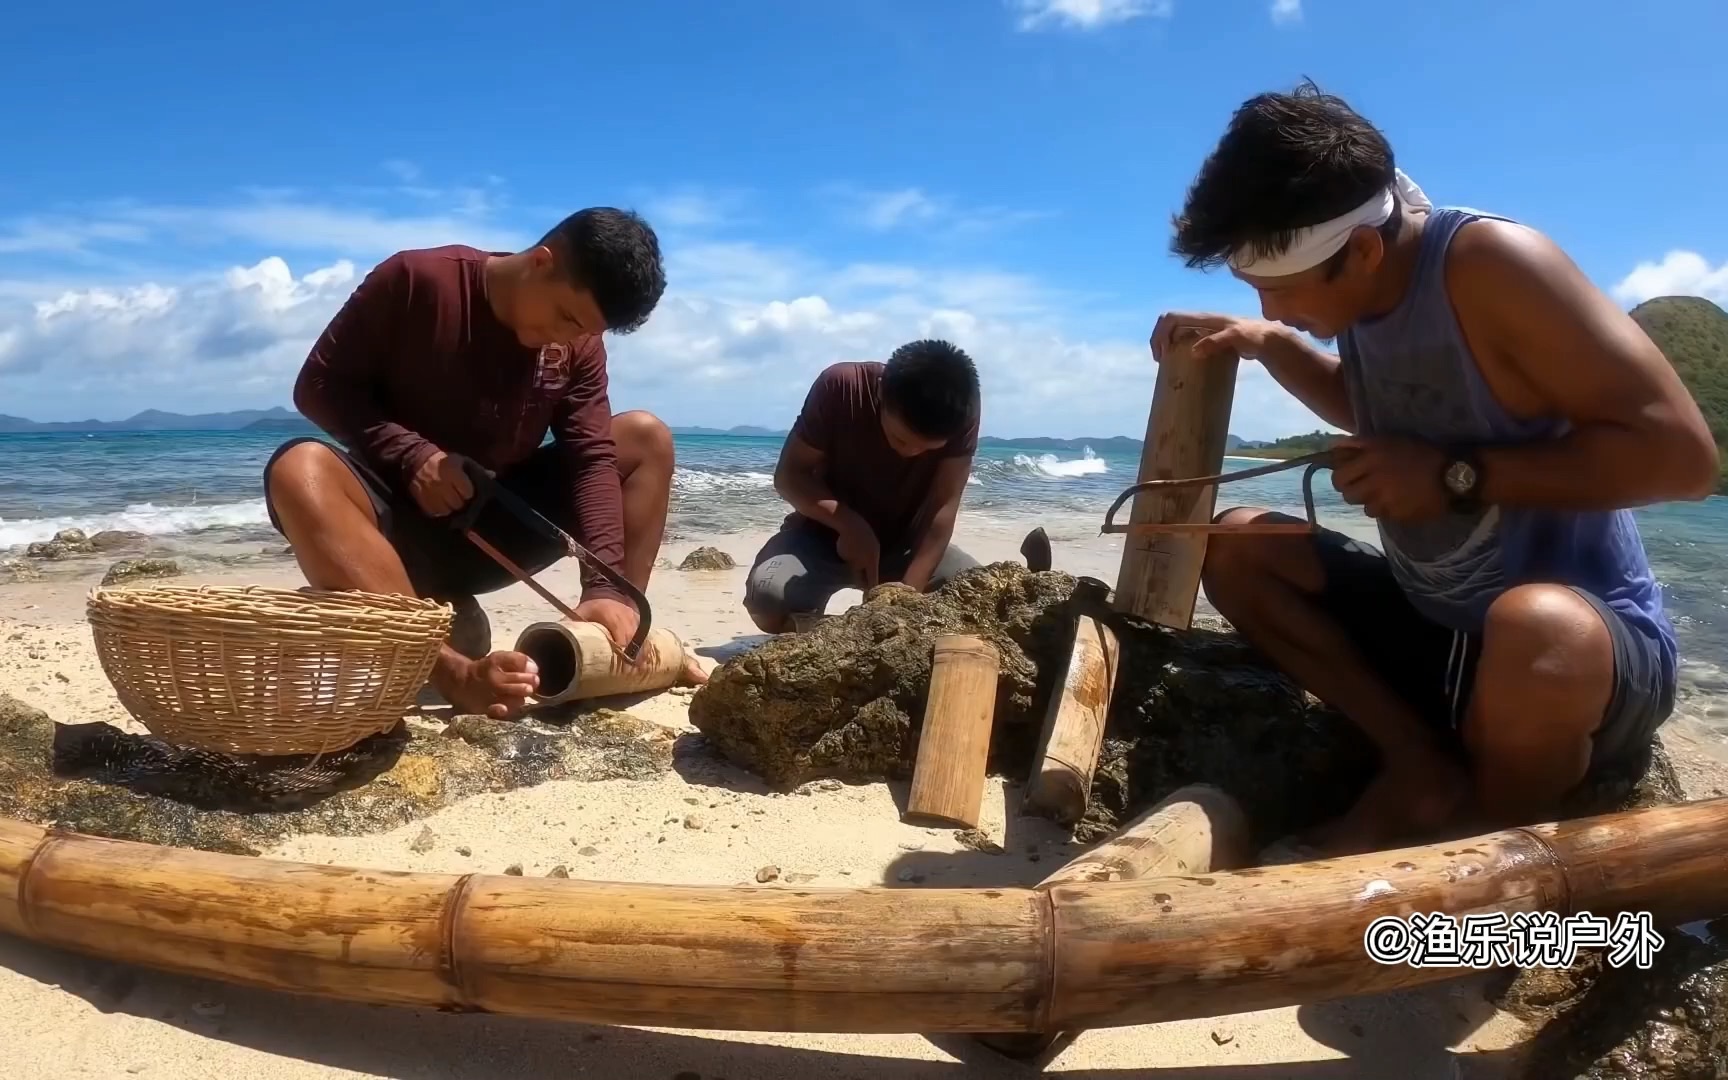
842,417
416,362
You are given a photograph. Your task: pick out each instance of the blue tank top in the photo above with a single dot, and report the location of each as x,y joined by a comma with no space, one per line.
1410,372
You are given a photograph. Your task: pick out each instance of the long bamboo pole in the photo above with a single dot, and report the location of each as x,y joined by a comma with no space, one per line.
860,960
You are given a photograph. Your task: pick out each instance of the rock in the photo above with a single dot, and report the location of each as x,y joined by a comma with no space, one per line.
694,822
117,540
464,850
140,570
588,852
424,842
559,871
767,874
840,702
707,558
66,544
799,879
12,570
514,869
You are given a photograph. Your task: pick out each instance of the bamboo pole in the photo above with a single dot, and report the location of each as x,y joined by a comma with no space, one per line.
1159,578
1076,955
1073,735
1193,830
954,742
577,661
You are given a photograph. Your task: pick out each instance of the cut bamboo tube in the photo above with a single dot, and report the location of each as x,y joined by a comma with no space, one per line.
1061,781
954,741
1159,578
577,661
1193,830
1070,956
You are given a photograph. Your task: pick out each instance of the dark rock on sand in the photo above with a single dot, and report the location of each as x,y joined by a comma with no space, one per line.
67,543
140,570
13,570
117,540
97,779
841,700
707,558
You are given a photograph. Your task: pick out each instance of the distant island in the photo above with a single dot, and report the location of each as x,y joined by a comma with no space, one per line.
281,421
1692,333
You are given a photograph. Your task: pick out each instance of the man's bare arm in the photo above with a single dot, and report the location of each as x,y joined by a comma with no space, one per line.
798,480
1637,437
1312,376
946,493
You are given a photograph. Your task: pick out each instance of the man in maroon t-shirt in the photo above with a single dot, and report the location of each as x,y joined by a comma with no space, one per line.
449,353
875,469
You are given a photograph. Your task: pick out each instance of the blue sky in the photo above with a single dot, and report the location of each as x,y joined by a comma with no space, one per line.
190,191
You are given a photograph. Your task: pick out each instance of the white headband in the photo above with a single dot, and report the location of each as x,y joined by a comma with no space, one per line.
1317,243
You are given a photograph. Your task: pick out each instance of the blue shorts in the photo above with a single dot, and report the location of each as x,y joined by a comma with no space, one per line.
1433,667
799,570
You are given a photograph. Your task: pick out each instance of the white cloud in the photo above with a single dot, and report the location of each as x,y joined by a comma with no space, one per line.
1680,273
1087,14
1286,11
913,207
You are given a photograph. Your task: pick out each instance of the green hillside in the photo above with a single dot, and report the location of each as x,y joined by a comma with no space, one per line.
1692,333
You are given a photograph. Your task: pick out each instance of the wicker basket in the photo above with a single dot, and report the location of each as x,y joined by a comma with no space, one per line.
249,670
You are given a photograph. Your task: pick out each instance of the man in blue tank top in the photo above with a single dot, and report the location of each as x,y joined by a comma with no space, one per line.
1502,416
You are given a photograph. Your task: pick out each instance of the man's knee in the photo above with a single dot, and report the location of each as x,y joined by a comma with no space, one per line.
1235,559
1546,671
303,472
642,439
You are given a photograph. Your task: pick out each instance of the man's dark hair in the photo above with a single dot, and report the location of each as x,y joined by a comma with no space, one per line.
615,255
933,387
1286,161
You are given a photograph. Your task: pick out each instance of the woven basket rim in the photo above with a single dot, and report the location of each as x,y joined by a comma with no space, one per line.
341,598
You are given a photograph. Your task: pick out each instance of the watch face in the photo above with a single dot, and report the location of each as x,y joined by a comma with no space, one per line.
1460,477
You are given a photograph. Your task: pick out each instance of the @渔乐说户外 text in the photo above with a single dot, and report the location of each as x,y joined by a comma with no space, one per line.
1524,939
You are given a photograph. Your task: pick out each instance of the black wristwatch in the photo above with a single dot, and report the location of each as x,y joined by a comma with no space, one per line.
1462,479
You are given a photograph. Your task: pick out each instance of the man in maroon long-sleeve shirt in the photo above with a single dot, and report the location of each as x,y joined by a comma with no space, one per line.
450,353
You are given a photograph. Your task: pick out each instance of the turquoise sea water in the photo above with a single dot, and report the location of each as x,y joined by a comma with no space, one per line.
206,487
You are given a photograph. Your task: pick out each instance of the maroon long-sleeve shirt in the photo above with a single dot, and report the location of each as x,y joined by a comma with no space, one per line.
417,362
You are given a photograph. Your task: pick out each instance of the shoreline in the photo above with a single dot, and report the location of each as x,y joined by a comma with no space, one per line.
76,1016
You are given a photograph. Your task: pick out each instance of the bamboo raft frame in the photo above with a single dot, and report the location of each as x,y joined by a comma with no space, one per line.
874,960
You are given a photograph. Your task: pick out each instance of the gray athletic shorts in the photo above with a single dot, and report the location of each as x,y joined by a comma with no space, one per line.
798,571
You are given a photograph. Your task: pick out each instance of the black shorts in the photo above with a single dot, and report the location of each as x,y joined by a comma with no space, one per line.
798,571
1434,667
443,564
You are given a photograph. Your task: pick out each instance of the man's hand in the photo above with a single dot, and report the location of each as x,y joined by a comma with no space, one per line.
440,486
1250,339
619,619
1392,479
859,549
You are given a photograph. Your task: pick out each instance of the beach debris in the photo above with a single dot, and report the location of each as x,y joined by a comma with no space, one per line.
139,570
708,558
559,871
694,821
767,874
66,544
588,851
1222,1039
514,869
464,850
425,842
977,840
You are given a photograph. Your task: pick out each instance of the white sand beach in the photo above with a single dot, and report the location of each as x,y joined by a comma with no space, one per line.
68,1016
